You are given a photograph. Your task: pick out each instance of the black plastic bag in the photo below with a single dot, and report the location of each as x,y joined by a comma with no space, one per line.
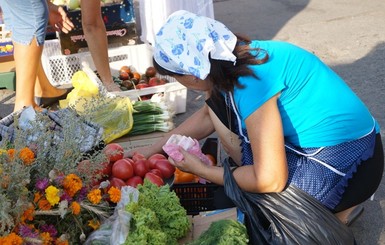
289,217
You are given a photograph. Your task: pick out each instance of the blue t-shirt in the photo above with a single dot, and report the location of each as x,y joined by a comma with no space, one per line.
316,106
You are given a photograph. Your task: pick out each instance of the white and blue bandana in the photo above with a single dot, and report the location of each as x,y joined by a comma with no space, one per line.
186,40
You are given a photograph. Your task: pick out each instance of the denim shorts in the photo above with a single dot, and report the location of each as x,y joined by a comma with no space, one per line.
26,19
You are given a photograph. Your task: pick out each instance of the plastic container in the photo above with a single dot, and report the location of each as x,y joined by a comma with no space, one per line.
139,57
59,68
197,197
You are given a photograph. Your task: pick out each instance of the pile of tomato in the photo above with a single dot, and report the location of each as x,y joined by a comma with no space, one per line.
123,171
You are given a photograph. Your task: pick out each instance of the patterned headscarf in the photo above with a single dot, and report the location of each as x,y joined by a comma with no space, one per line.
186,40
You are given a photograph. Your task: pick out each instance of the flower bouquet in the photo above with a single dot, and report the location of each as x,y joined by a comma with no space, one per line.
50,188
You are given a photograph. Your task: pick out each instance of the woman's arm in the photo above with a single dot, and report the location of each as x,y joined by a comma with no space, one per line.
269,171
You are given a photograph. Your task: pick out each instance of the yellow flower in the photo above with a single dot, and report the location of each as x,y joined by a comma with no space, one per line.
94,224
95,196
27,155
115,194
72,184
52,195
75,207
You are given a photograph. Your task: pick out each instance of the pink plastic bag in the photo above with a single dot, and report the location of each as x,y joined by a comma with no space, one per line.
187,143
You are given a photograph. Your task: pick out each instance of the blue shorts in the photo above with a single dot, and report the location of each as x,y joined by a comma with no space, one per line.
26,19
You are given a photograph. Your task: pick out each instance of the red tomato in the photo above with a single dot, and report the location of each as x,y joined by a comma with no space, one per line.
116,182
156,172
134,181
140,167
122,169
154,179
107,168
114,152
136,156
152,159
165,167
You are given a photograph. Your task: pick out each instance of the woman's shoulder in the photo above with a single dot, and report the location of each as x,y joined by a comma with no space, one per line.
278,45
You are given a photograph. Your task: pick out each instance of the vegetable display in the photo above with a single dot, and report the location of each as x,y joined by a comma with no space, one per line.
157,217
223,232
150,117
121,171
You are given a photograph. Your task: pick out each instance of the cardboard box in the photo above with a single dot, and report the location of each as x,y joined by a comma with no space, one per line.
119,20
202,221
131,142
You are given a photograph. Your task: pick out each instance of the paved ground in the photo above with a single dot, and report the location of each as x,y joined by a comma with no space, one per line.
347,35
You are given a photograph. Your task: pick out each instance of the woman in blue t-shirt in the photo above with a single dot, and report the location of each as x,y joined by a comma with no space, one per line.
281,114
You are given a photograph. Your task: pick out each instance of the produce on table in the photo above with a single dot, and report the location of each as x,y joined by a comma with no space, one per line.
150,117
133,171
129,79
184,177
224,232
157,217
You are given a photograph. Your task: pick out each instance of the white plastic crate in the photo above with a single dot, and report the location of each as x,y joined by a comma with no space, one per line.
139,57
60,68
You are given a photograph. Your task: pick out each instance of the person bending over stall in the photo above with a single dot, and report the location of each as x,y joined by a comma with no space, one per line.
282,115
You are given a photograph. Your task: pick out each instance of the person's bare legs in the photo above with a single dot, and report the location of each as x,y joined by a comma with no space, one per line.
27,58
43,87
95,34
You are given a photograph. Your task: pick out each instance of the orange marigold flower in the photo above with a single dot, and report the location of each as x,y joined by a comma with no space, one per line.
75,207
59,241
27,155
12,239
11,153
115,194
44,204
28,214
46,237
72,184
94,224
37,197
95,196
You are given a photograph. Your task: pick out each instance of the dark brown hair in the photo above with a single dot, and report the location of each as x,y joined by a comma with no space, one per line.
224,74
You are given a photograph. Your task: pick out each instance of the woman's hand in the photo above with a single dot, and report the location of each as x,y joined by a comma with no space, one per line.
58,18
190,163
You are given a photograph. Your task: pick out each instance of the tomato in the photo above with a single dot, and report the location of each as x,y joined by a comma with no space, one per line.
116,182
107,168
114,152
122,169
154,179
156,172
134,181
213,161
136,156
157,156
140,167
165,167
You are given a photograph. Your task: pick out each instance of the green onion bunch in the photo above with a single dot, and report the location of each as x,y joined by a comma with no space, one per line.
149,117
